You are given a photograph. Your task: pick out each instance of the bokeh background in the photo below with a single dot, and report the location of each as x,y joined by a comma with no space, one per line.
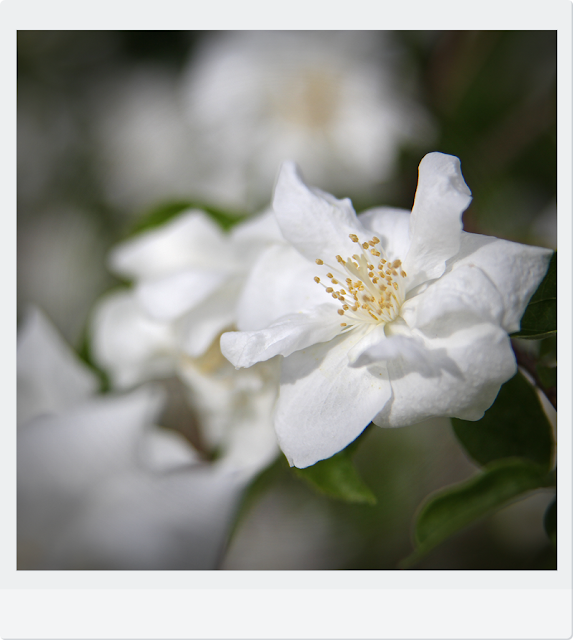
116,125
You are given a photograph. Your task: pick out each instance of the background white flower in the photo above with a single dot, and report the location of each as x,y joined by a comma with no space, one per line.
337,102
414,322
99,485
188,276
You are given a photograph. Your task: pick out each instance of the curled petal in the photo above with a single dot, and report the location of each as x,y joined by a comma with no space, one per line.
283,337
436,220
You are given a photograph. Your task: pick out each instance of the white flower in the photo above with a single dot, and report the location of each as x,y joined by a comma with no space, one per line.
188,276
334,101
99,485
390,317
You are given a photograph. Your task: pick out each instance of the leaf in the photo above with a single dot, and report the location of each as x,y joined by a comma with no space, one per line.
337,477
450,510
167,211
514,426
550,522
540,317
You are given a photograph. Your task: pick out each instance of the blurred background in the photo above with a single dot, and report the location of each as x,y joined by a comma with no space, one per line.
114,126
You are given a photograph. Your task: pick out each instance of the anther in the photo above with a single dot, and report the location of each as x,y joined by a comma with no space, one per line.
329,275
365,245
353,237
319,261
341,312
329,289
339,258
316,279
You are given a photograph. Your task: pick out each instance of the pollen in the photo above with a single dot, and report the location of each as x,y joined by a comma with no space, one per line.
376,294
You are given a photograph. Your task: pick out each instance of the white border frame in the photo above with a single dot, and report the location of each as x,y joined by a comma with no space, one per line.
354,604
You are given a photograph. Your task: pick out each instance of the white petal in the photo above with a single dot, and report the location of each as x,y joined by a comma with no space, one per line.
235,410
138,521
283,337
128,344
51,378
168,298
458,376
314,222
281,282
60,457
203,324
190,240
261,229
324,404
462,298
515,269
436,220
392,226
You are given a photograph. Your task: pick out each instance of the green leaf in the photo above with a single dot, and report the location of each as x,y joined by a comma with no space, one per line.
167,211
450,510
550,522
337,477
540,317
514,426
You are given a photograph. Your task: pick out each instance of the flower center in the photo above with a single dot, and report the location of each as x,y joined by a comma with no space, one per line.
371,287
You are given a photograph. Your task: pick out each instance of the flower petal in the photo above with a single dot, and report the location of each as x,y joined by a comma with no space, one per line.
190,240
436,220
51,378
128,344
314,222
168,298
200,326
392,226
281,282
457,376
324,404
138,521
515,269
462,298
62,456
286,335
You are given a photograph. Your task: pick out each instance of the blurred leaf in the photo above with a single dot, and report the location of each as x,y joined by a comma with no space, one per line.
337,477
165,212
446,512
514,426
547,376
550,522
540,317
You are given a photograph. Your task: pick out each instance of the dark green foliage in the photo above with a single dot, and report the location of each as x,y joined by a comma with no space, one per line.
550,522
514,426
540,317
447,511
